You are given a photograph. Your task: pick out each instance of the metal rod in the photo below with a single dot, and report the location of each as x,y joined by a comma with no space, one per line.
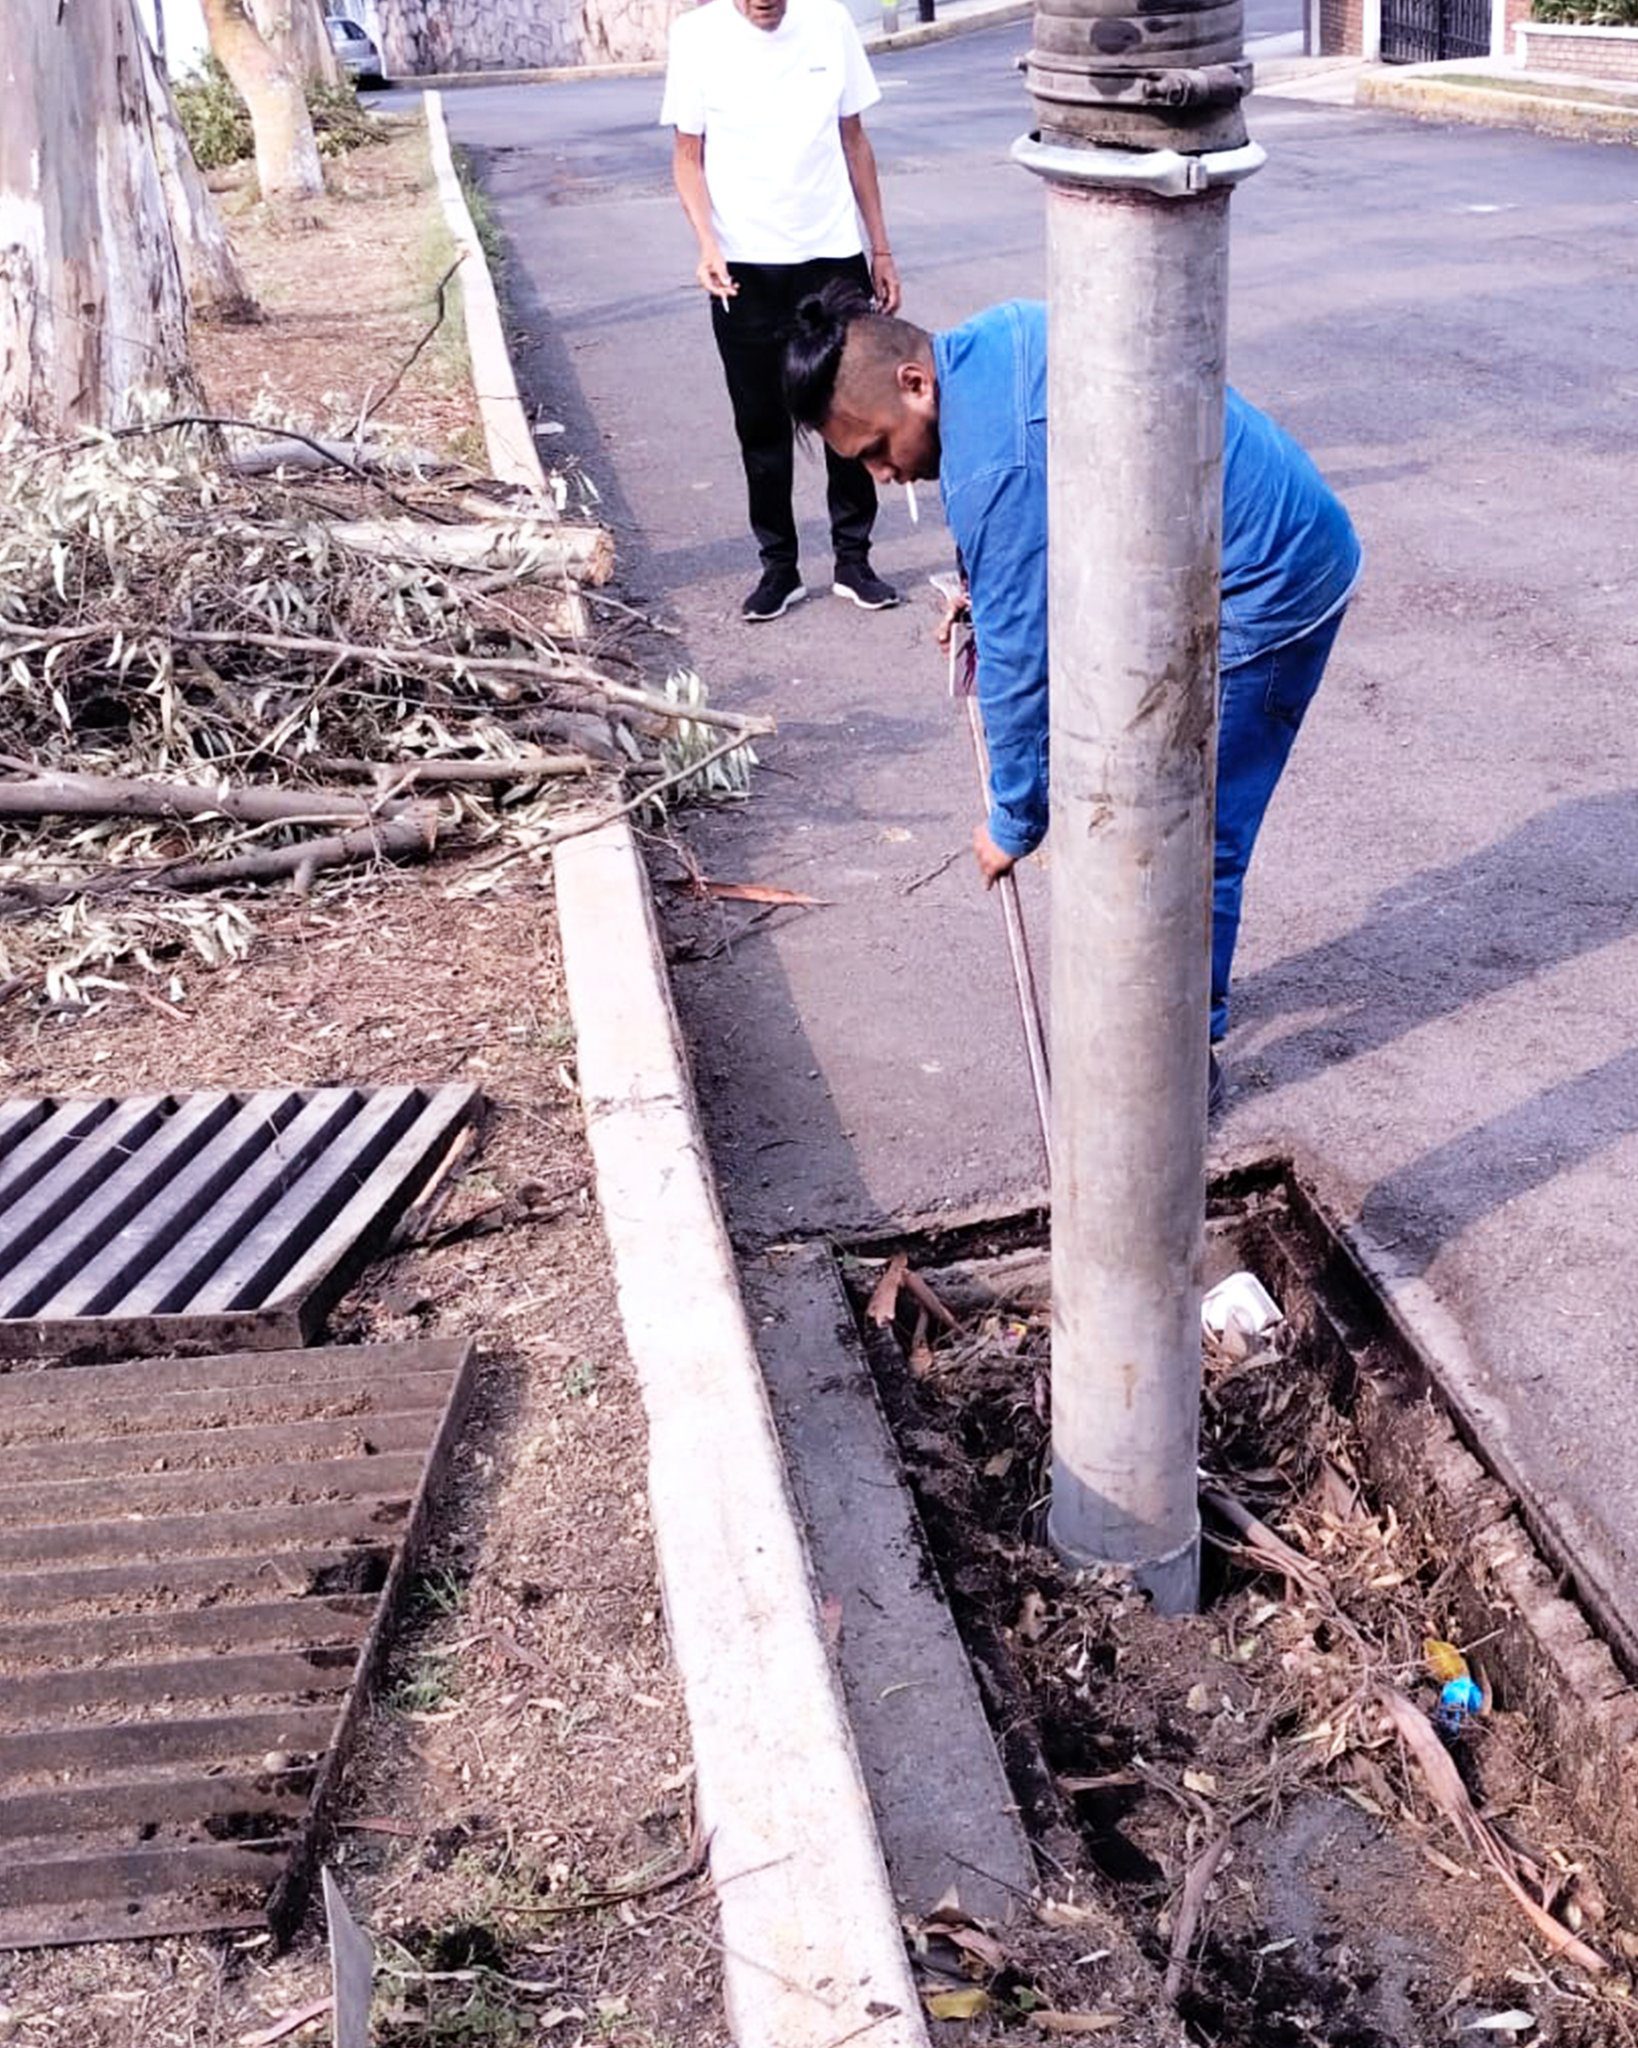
963,682
1023,966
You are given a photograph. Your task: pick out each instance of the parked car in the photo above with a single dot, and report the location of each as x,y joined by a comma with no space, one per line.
355,52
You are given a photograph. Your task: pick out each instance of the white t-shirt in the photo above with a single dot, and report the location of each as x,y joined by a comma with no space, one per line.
767,102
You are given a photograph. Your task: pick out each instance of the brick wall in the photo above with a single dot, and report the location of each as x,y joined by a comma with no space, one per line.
1610,54
1342,28
518,35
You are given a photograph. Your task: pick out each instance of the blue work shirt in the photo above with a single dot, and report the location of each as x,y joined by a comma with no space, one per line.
1290,555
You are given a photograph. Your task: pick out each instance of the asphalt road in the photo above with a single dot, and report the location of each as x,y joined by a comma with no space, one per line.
1439,970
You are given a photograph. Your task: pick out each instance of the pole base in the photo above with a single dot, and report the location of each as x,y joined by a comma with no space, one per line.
1172,1582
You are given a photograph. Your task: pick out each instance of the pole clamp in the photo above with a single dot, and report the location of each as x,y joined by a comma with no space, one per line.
1165,173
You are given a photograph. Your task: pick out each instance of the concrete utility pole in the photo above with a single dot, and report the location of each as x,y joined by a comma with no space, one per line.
1140,139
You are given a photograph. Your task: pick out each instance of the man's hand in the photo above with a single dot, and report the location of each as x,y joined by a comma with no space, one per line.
712,273
957,611
992,862
884,276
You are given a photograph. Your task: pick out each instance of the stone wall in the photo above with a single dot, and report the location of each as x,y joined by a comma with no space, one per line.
518,35
1600,53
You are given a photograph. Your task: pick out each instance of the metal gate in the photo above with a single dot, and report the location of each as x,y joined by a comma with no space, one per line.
1434,31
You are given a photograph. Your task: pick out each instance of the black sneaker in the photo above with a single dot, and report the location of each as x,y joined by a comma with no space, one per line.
858,581
1216,1089
779,589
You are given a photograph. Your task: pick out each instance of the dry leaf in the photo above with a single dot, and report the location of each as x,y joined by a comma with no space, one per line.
1063,1913
1031,1623
965,2004
884,1296
1444,1660
1200,1781
999,1466
747,892
291,2023
1514,2022
1076,2022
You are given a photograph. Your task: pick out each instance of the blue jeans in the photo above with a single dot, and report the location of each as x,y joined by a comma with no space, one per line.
1260,705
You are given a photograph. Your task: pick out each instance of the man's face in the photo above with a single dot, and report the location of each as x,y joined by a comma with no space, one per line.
895,437
766,14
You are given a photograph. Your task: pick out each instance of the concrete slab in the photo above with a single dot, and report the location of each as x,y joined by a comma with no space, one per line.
943,1807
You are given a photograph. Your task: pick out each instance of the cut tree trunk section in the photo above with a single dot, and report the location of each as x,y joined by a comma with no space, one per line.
93,309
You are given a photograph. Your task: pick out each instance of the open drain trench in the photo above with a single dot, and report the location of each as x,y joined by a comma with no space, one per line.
199,1560
1270,1766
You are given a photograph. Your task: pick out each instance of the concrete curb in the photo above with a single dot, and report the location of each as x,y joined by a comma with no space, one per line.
588,74
512,452
1429,97
812,1954
920,32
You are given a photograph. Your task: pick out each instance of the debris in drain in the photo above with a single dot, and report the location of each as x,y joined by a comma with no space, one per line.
1257,1795
1240,1307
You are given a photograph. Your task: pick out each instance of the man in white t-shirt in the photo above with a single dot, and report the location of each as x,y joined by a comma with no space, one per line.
774,171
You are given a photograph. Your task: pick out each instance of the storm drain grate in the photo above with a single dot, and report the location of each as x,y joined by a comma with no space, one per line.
199,1563
213,1220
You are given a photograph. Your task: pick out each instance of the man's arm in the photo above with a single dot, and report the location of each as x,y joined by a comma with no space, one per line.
1001,527
867,192
688,175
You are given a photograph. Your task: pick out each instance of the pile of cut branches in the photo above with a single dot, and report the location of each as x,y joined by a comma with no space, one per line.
224,665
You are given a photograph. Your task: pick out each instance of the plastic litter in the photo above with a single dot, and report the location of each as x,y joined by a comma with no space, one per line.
1240,1304
1459,1699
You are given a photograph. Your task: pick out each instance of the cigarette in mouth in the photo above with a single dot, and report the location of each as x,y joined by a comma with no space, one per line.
910,500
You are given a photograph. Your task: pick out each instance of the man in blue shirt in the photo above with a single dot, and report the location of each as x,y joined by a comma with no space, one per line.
969,406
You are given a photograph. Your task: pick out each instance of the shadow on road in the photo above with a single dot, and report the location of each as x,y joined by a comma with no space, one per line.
1558,888
1434,1199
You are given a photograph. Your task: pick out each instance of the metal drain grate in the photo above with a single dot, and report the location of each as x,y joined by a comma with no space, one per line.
199,1562
166,1222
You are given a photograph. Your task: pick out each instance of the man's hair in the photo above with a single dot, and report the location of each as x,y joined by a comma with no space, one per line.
838,321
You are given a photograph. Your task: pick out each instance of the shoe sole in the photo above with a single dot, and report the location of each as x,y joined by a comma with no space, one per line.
764,618
882,604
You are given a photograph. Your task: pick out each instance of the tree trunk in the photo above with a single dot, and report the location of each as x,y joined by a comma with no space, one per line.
295,28
216,285
93,311
287,158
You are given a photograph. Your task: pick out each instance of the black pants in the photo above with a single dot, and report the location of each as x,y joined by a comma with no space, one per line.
750,335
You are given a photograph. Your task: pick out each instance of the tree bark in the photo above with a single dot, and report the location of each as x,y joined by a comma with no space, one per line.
296,30
287,158
93,309
56,793
216,285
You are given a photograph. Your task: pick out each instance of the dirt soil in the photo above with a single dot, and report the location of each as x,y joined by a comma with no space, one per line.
1225,1790
345,300
518,1829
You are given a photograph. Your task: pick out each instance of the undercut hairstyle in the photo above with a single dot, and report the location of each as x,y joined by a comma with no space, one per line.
838,339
